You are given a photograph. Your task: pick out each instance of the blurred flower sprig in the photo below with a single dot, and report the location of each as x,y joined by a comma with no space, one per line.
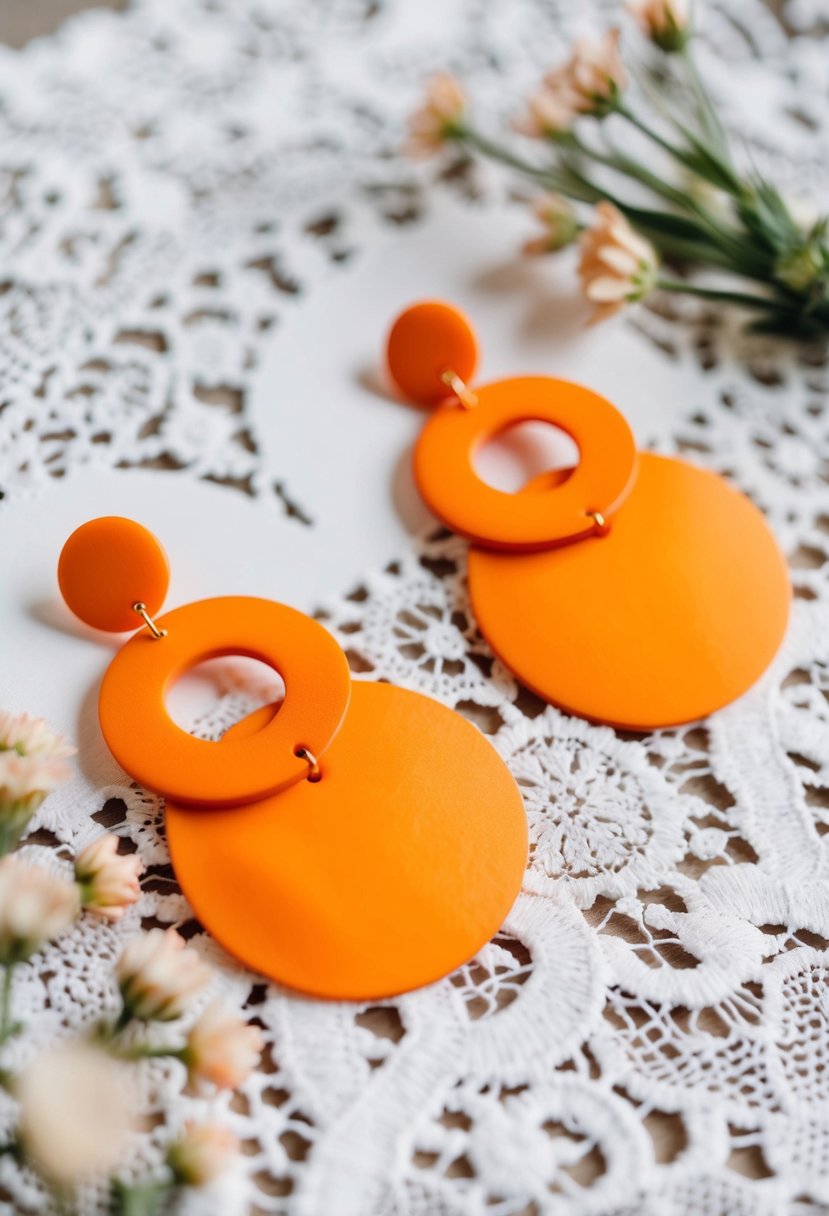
33,763
76,1104
692,205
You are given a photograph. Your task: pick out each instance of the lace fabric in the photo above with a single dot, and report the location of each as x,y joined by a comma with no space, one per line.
649,1032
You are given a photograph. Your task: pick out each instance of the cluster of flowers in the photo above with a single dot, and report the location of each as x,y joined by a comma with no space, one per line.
75,1105
701,210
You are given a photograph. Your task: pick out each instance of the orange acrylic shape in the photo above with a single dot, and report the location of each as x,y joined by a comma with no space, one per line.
427,340
386,874
350,846
446,477
145,740
671,615
106,566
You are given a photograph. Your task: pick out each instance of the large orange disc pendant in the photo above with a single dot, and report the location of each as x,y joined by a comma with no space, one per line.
672,614
387,873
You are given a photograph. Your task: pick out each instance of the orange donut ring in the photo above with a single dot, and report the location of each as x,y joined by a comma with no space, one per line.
160,755
452,489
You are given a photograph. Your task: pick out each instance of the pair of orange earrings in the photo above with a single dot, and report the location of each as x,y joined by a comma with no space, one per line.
359,840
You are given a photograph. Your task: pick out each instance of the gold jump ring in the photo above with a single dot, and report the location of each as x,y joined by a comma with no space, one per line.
314,770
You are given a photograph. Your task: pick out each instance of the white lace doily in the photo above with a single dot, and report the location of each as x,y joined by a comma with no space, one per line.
649,1034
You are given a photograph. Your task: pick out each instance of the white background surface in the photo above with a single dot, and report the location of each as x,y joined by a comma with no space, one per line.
648,1034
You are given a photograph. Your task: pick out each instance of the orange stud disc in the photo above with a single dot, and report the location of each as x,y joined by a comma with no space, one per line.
106,566
386,874
447,480
145,740
427,340
673,613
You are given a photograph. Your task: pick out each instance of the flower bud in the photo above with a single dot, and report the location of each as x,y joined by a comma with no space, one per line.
32,764
549,115
157,975
803,267
108,879
221,1049
593,78
434,123
203,1152
617,266
665,22
35,906
561,226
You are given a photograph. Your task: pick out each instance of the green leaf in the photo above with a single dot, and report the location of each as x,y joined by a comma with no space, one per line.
766,216
709,164
782,324
694,240
712,128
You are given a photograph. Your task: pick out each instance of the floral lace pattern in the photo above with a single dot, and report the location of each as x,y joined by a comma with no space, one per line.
649,1032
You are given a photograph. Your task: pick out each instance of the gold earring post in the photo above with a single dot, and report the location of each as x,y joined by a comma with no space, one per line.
141,609
460,388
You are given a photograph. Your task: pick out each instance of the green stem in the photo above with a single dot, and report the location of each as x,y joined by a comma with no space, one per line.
722,247
570,181
689,249
709,118
121,1022
725,297
7,1027
714,231
143,1051
144,1199
63,1202
564,182
700,159
495,151
712,243
631,168
654,136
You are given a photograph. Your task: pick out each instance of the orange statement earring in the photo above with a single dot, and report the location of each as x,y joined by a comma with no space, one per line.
635,589
355,841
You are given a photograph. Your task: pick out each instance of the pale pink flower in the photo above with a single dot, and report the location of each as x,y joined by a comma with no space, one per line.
204,1151
435,121
32,764
35,906
549,113
665,22
560,223
26,780
592,79
617,266
31,737
221,1048
74,1113
108,879
158,973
